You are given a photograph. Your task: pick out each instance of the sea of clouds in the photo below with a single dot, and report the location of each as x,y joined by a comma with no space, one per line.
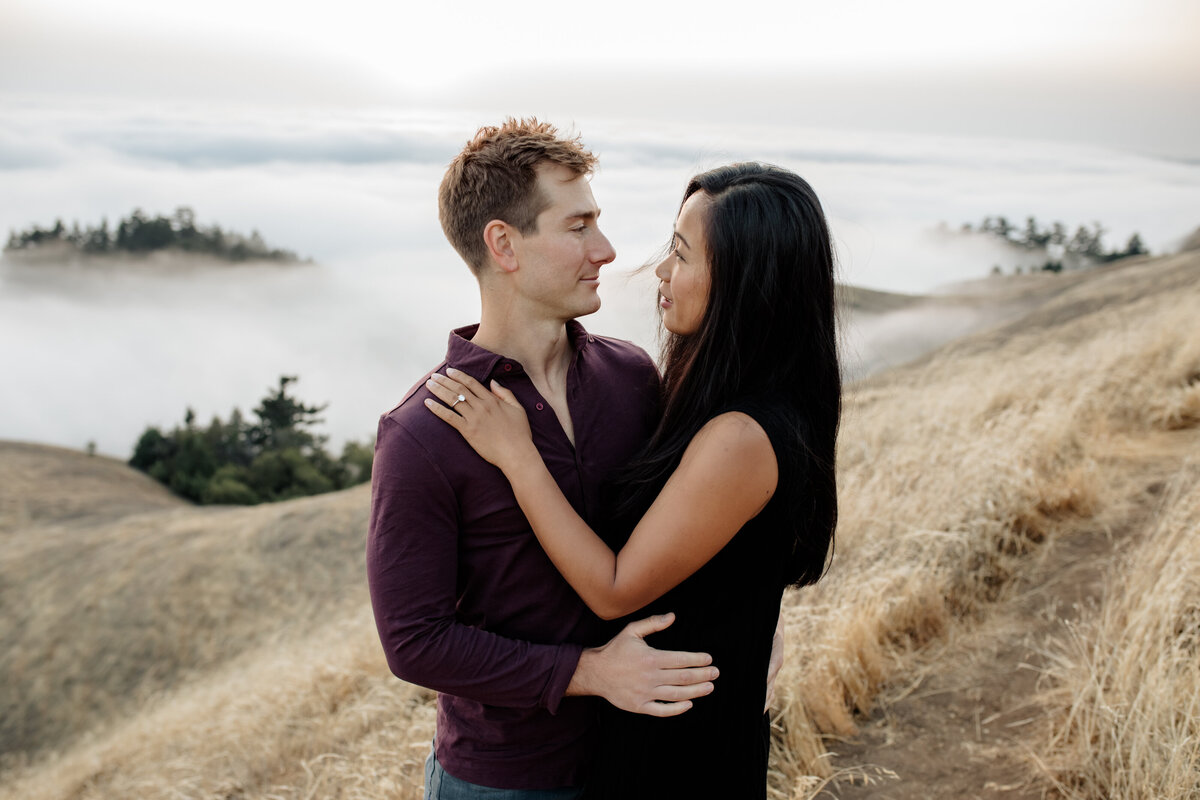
96,354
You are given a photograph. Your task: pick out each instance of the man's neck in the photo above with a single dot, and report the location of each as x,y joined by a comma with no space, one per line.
542,346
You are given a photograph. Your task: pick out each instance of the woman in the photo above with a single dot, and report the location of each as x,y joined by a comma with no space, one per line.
734,497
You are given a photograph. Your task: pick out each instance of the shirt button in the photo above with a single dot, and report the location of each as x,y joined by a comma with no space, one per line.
540,406
508,367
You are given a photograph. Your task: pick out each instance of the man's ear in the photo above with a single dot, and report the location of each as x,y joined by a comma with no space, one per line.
500,237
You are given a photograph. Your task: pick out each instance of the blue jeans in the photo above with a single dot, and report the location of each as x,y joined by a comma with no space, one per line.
441,785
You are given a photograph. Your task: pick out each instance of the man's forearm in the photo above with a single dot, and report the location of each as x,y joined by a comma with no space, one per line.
585,680
457,659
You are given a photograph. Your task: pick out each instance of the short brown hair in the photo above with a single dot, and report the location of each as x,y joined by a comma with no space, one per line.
495,177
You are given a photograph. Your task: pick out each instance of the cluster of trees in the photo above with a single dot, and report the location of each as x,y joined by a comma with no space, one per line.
275,457
1085,246
139,233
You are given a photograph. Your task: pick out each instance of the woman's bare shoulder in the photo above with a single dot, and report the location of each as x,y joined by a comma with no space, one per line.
735,443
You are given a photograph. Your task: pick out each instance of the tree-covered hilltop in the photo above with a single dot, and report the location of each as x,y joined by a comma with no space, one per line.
276,457
1082,249
139,233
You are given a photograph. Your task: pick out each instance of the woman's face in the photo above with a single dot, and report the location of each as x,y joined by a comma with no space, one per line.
683,291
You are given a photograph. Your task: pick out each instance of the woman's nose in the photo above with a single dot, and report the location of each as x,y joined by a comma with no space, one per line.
662,271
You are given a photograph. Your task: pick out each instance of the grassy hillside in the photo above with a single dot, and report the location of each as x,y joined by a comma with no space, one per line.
1124,687
101,616
184,652
881,330
856,299
42,485
959,470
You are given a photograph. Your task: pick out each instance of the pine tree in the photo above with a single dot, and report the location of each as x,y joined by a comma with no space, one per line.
274,459
1135,246
1058,234
282,420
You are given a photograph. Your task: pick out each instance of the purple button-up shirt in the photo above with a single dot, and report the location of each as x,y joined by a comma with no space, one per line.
466,602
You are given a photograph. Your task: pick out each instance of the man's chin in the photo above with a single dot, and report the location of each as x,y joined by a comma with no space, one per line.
584,309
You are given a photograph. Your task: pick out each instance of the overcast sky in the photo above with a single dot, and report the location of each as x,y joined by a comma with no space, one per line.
1122,73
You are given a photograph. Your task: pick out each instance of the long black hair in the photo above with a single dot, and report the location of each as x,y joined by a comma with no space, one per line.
768,333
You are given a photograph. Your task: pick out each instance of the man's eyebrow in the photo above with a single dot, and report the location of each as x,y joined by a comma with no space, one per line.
586,215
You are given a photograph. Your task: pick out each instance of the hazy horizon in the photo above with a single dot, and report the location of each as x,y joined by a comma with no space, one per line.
1122,74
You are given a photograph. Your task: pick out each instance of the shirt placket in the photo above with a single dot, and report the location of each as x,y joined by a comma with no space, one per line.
540,407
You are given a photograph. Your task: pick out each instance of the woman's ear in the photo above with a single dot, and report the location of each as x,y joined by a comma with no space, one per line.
499,237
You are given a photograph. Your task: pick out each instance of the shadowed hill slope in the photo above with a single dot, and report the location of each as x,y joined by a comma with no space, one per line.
881,330
104,611
1052,302
858,299
41,485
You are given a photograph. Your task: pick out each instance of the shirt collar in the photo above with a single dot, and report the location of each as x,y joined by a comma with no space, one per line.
481,364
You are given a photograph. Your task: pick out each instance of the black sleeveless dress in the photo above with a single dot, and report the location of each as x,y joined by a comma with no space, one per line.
728,608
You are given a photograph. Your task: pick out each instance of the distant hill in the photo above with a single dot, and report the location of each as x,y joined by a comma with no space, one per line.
140,234
873,301
1192,242
42,485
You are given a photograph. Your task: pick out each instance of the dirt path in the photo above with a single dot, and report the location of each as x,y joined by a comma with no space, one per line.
962,729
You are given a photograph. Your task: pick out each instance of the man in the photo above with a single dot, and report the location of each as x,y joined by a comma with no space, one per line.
465,600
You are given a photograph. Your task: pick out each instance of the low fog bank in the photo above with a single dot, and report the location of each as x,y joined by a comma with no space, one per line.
105,348
105,352
100,350
874,342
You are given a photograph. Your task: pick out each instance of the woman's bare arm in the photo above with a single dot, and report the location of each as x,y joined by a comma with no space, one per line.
727,474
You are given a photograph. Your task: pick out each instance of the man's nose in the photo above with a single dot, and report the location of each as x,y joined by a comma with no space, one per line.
604,252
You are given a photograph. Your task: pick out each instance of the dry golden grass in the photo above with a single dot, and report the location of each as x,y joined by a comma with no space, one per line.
211,653
40,485
316,718
1125,696
953,470
98,619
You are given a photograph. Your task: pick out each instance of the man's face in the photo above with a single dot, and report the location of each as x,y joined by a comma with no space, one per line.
559,265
